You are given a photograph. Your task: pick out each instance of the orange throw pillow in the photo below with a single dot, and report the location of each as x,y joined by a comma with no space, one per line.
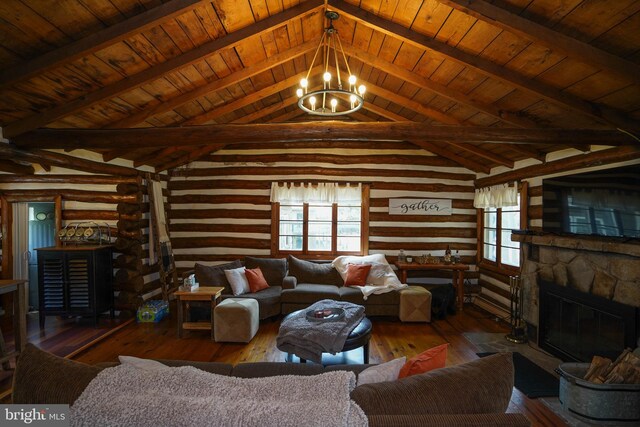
256,279
434,358
357,274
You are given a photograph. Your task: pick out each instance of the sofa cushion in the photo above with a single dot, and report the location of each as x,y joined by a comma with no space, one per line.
273,269
313,272
354,295
44,378
256,279
307,293
268,301
477,387
214,275
272,369
357,274
237,279
434,358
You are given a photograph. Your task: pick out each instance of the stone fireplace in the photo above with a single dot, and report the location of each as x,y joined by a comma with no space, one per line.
593,268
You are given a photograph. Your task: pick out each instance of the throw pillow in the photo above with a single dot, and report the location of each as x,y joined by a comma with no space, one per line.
144,364
434,358
214,275
256,279
238,281
273,269
357,274
313,272
380,275
384,372
481,386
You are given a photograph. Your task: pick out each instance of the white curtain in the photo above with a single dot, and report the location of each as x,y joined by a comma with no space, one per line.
498,196
329,192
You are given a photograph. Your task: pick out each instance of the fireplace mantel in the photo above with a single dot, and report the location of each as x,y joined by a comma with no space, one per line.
584,243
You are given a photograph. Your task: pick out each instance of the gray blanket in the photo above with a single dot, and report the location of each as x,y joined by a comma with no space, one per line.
309,339
186,396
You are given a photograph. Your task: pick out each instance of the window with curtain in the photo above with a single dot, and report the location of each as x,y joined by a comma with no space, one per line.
318,219
501,213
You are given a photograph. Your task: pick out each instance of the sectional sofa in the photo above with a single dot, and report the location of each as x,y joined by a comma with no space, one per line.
295,284
476,393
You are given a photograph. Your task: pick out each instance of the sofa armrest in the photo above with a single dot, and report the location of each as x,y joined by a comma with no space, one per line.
289,282
446,420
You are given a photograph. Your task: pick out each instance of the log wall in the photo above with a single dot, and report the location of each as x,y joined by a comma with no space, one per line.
494,294
115,200
220,209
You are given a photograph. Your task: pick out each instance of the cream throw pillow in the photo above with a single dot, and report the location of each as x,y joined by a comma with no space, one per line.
384,372
237,279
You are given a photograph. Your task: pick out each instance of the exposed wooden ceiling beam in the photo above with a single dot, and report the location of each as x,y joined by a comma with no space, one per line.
287,116
361,117
442,90
528,151
383,112
12,167
96,41
596,158
319,131
192,156
216,85
267,110
444,152
552,39
156,156
157,71
248,99
485,154
405,102
113,154
64,161
487,67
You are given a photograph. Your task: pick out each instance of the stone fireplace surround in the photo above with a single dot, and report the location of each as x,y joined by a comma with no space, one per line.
591,265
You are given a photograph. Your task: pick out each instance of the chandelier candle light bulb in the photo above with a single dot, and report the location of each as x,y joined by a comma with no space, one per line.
337,99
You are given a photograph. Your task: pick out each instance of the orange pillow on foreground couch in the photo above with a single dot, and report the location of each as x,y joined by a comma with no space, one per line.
434,358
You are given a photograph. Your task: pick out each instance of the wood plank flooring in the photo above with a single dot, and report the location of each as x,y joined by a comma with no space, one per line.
390,339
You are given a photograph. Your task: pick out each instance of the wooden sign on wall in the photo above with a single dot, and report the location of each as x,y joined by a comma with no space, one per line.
420,207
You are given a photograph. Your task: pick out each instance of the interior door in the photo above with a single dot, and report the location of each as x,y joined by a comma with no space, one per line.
20,233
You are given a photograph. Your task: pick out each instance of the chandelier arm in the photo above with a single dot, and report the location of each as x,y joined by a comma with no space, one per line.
346,62
313,61
335,54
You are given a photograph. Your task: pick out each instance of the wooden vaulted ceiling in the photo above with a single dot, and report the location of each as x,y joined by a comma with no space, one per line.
471,69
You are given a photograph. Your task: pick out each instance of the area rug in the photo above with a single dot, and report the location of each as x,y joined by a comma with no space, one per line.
530,378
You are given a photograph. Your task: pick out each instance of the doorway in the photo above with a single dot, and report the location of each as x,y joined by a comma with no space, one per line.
34,226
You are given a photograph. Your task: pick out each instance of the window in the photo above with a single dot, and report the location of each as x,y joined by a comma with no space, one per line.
497,227
495,246
318,227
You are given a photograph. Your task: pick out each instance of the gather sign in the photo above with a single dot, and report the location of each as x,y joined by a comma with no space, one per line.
420,207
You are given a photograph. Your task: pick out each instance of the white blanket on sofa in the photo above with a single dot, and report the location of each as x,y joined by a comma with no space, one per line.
129,396
381,278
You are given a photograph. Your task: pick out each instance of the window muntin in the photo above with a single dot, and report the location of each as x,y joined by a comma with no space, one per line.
498,224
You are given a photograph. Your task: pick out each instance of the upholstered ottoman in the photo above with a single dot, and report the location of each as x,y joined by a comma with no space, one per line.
415,304
235,320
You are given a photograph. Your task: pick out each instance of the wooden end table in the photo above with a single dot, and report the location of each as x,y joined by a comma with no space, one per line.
456,269
205,293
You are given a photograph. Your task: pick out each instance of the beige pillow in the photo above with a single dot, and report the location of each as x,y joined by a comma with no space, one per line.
388,371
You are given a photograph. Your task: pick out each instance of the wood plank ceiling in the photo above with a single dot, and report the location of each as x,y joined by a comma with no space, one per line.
475,65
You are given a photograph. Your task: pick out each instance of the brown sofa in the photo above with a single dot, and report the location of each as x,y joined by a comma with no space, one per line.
476,393
311,281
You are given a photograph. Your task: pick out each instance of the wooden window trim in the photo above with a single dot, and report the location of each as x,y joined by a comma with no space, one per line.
305,254
497,266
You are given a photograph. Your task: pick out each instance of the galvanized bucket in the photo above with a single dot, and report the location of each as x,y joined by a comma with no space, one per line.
602,403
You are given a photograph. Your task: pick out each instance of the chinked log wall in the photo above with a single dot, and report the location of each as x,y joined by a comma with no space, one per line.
119,201
495,286
220,209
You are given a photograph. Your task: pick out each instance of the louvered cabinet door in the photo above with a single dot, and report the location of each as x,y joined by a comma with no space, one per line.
75,281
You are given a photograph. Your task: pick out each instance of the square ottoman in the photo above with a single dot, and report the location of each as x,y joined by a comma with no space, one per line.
236,320
415,304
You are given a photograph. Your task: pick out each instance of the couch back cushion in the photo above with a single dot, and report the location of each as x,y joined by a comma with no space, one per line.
44,378
214,275
273,269
313,272
477,387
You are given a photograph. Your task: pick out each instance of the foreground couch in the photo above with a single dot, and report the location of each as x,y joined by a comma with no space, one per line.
472,394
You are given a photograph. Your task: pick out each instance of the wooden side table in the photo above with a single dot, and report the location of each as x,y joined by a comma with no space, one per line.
456,269
204,293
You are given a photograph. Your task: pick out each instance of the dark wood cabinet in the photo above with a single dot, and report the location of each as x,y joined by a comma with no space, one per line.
75,281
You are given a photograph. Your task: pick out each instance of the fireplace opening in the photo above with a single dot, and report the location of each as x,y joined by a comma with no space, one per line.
575,326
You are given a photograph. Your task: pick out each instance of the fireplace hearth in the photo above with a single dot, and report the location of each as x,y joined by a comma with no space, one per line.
575,326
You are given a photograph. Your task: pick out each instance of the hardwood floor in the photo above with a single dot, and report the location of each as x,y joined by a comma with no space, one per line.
390,339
